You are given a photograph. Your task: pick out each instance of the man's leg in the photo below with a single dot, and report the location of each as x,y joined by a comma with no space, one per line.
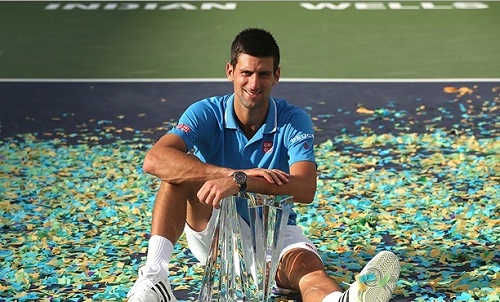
174,205
169,216
302,270
171,211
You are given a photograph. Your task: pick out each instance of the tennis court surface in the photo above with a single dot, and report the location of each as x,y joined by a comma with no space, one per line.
404,100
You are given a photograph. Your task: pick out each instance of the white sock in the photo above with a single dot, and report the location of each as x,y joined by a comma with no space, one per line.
160,251
333,297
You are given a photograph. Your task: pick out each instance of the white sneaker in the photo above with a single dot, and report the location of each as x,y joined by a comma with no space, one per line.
151,286
377,280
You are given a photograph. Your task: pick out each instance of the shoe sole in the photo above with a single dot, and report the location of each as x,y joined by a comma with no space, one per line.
161,294
379,286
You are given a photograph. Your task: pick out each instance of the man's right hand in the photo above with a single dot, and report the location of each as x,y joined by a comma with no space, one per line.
214,190
273,176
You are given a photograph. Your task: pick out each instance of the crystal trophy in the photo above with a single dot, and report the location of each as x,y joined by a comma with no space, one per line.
245,248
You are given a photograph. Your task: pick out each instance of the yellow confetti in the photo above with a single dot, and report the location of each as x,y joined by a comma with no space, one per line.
363,110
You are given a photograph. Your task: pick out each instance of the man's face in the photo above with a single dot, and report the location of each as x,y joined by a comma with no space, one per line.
252,79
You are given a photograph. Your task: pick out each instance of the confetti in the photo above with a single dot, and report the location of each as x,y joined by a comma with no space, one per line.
459,91
363,110
76,206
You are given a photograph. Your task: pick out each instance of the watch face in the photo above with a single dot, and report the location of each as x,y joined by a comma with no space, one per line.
240,178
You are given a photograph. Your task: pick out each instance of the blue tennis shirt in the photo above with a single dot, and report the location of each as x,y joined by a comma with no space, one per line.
211,132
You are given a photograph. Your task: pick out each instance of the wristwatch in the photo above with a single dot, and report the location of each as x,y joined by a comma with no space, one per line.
240,178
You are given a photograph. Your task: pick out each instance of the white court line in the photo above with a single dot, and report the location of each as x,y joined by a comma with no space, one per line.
258,0
209,80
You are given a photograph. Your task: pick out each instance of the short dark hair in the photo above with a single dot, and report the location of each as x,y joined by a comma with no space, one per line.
255,42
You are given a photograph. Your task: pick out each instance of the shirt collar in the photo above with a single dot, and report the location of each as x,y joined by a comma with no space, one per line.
270,124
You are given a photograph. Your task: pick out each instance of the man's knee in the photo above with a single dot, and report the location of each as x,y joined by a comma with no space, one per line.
295,264
300,258
184,191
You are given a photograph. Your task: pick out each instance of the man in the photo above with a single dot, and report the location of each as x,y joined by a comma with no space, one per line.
244,141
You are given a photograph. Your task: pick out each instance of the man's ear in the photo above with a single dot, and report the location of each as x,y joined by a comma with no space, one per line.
229,72
277,75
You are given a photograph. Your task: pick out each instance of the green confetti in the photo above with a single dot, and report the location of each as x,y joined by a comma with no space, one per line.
76,208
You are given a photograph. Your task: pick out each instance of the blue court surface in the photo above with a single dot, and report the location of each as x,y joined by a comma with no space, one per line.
408,167
404,101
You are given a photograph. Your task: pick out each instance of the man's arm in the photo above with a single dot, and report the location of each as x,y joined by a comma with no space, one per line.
301,183
168,161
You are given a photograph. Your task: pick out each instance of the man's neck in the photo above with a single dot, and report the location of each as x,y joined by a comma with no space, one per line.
250,120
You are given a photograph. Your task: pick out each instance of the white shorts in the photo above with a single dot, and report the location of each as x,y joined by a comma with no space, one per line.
199,242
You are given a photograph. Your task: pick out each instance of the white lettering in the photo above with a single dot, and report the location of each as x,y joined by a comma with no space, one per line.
470,5
430,5
121,6
52,6
71,6
370,6
111,6
397,5
232,6
186,6
310,6
151,6
135,6
227,6
302,136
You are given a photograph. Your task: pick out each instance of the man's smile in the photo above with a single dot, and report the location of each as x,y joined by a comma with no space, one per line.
252,93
